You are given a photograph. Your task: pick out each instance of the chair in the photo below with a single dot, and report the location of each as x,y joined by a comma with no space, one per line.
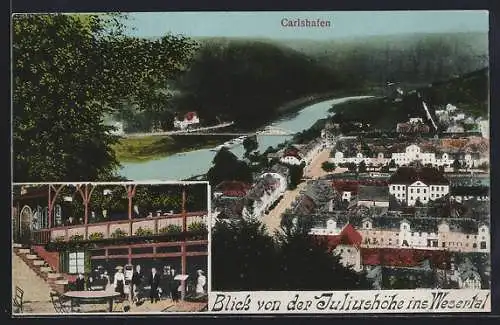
121,304
60,303
17,301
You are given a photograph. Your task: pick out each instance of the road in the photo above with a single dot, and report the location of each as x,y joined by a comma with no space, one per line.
314,170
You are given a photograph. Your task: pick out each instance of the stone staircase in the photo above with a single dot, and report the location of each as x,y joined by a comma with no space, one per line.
56,281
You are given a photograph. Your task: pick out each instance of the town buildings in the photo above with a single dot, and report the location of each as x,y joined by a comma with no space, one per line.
266,191
412,185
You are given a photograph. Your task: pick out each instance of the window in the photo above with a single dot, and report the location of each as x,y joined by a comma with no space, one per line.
444,244
411,198
399,187
432,195
424,190
483,245
76,262
432,188
393,187
411,191
474,245
418,190
467,236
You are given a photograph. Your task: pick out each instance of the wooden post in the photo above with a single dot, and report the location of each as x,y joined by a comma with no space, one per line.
52,201
131,189
86,194
183,245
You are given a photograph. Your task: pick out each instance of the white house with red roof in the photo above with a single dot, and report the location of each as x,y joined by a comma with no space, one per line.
292,156
345,243
190,118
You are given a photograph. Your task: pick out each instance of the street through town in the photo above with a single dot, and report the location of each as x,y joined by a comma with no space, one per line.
272,220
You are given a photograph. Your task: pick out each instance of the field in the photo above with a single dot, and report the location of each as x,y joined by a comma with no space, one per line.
155,147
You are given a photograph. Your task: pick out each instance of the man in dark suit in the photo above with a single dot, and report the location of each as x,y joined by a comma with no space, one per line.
154,282
136,283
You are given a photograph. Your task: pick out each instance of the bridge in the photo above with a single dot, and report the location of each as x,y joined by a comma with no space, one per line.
268,130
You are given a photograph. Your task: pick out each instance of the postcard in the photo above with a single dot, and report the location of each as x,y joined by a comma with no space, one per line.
251,162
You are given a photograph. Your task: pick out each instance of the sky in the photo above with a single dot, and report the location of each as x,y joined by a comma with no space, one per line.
343,24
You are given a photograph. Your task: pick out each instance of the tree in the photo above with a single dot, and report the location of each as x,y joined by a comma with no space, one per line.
250,144
362,167
227,167
392,164
291,261
252,254
328,166
456,165
296,173
351,167
69,72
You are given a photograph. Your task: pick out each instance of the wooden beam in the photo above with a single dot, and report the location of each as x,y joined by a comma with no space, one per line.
161,244
149,255
52,201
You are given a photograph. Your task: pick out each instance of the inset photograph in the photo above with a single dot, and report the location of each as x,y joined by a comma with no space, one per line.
109,247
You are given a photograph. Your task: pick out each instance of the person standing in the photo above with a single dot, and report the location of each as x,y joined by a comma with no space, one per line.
80,282
201,282
119,282
173,286
154,282
136,283
165,282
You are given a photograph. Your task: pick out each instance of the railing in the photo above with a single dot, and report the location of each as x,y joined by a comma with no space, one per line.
152,225
40,236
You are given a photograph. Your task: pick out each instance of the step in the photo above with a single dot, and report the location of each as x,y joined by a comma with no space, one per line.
54,275
31,256
38,262
46,269
24,251
61,282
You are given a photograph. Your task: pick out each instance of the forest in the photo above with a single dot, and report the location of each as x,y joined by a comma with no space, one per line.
250,81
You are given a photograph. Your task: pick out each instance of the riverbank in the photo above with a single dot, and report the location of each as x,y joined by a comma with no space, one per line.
147,148
294,106
197,162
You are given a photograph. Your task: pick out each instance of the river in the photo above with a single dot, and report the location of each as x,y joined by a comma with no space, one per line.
188,164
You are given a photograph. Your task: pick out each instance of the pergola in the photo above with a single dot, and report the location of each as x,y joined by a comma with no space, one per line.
86,189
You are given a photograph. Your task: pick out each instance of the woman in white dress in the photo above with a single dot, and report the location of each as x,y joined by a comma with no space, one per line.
119,282
202,281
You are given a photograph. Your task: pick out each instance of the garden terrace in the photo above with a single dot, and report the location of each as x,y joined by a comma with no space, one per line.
86,211
153,226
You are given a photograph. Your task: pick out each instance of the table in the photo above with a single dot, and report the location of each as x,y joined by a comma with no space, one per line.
93,295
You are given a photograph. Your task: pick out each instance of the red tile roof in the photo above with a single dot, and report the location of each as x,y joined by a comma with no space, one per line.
404,257
233,188
348,236
190,115
292,152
